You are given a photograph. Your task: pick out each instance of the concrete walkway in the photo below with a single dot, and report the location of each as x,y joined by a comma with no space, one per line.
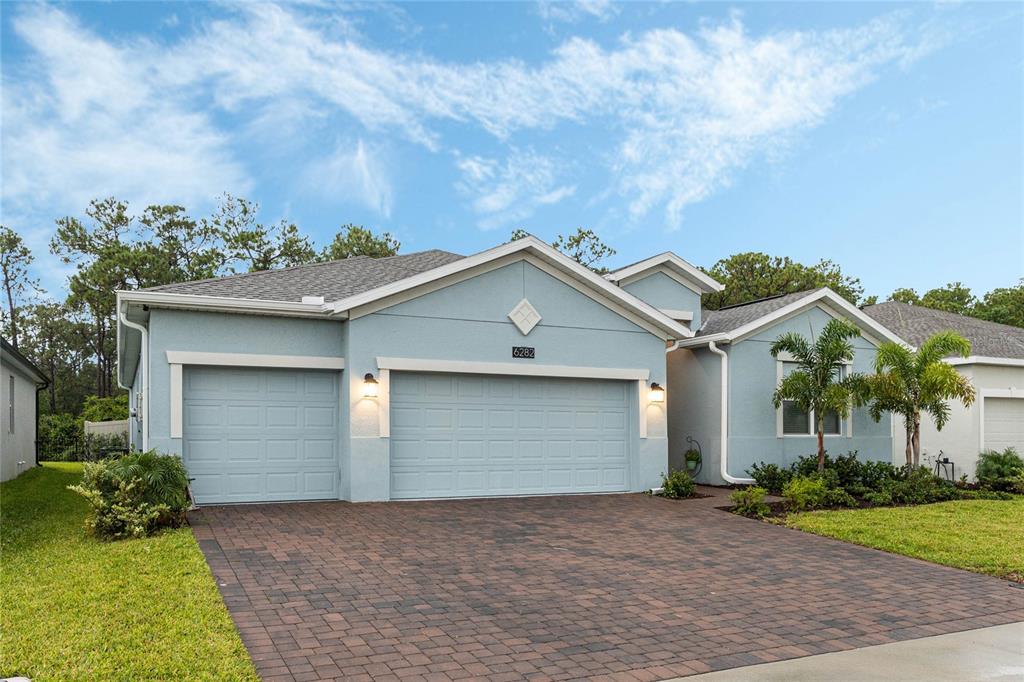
994,654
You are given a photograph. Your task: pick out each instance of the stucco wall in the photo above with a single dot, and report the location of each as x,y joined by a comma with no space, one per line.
469,321
661,291
960,438
18,446
225,333
752,419
694,397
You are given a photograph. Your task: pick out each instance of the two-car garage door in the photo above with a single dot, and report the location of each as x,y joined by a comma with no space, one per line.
456,435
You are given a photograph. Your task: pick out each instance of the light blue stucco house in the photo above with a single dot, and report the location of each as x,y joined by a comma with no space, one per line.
721,381
515,371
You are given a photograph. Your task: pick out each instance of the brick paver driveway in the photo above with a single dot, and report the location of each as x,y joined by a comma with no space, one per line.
562,587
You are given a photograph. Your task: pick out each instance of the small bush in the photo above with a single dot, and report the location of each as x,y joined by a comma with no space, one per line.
771,477
837,497
920,486
847,469
879,498
808,465
804,493
750,502
997,470
677,485
874,474
134,495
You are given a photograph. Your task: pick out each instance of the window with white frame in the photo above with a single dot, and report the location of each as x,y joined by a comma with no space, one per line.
10,403
797,422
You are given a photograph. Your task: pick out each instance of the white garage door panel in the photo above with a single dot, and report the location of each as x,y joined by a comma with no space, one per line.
1004,423
258,435
458,435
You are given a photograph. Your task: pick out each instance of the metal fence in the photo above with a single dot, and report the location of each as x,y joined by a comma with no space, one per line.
81,447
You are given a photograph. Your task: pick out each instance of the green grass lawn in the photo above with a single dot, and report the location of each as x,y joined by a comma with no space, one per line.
984,536
76,608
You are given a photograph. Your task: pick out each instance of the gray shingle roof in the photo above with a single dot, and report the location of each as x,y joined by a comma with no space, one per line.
734,317
914,324
333,280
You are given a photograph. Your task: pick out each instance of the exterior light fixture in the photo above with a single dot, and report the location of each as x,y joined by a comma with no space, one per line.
657,393
369,386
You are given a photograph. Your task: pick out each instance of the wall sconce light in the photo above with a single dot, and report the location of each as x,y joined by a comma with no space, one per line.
369,386
657,393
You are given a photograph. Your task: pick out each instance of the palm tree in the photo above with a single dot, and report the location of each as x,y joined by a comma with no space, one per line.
908,382
816,385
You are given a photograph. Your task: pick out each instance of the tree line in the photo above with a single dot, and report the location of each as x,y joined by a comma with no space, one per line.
110,248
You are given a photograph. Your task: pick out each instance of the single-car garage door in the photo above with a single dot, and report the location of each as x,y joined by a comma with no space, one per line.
1004,423
259,435
458,435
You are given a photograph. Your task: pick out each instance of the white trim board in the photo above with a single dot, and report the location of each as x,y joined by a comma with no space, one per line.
986,360
185,357
224,304
510,368
683,315
827,299
670,261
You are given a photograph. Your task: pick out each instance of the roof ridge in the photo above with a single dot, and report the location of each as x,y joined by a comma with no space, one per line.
767,298
901,305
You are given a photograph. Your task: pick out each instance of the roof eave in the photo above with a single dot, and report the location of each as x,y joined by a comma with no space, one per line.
703,281
224,304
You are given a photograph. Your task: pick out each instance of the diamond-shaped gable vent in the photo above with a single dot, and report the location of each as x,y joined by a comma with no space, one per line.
524,316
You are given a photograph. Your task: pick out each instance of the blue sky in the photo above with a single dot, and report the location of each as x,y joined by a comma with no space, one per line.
886,137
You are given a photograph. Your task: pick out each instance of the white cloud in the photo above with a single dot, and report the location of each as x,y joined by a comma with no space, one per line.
89,121
355,174
504,193
572,12
673,116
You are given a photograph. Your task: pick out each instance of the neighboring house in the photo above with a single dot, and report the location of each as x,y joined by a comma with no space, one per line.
20,421
721,383
510,372
996,368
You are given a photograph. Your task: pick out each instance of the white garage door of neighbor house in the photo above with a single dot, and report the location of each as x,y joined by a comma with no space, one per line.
260,435
456,435
1004,423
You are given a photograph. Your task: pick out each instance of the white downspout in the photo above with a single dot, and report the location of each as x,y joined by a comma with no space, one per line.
144,361
724,448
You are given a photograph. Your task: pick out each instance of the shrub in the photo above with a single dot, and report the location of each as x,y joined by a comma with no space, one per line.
847,469
750,502
803,493
920,486
997,470
134,495
837,497
677,484
808,465
880,498
875,474
770,477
